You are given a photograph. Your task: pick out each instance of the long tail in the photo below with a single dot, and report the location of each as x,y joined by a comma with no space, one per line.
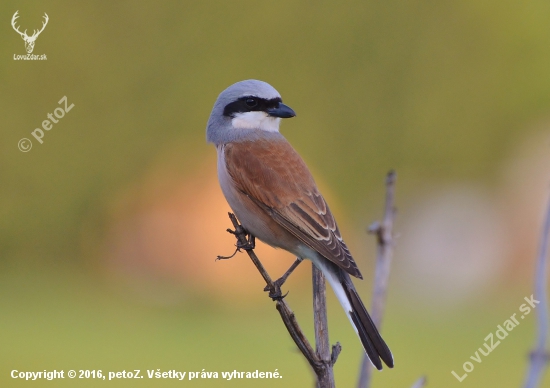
374,345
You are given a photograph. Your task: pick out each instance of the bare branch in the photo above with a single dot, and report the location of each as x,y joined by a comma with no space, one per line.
321,327
539,356
321,366
384,253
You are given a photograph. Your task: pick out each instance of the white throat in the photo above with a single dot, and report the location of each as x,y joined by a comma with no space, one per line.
256,120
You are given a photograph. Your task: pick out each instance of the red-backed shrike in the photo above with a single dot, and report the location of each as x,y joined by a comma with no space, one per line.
272,192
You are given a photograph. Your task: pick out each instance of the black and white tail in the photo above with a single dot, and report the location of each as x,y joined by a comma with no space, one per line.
374,345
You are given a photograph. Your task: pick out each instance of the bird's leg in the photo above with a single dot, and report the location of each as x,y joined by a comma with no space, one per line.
279,282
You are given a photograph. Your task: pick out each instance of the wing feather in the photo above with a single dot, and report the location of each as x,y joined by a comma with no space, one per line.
275,177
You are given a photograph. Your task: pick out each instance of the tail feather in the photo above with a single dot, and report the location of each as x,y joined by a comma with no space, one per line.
340,281
366,341
371,339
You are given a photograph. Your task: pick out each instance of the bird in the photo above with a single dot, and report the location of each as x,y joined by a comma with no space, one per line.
273,194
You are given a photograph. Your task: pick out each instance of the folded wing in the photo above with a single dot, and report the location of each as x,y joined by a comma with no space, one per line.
276,178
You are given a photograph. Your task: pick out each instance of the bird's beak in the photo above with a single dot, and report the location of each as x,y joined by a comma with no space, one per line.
283,111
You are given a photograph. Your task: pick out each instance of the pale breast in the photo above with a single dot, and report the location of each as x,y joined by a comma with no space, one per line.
252,217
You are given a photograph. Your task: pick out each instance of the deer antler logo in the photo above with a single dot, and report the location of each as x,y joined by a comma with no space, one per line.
29,40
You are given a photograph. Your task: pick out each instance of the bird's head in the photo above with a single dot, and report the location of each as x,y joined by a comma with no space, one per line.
244,108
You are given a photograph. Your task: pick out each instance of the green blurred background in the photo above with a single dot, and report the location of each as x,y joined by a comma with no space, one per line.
109,229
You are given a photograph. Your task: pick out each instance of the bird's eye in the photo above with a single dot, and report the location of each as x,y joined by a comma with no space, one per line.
251,102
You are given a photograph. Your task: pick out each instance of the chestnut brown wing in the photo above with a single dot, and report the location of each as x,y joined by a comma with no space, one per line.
275,177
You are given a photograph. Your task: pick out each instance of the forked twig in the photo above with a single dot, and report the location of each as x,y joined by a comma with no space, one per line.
322,365
384,252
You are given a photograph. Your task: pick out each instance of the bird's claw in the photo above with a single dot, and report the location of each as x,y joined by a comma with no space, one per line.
248,246
275,292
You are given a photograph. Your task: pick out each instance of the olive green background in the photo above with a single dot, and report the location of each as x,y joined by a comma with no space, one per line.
444,92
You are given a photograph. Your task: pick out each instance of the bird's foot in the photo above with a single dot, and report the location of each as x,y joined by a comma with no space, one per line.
249,245
275,292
